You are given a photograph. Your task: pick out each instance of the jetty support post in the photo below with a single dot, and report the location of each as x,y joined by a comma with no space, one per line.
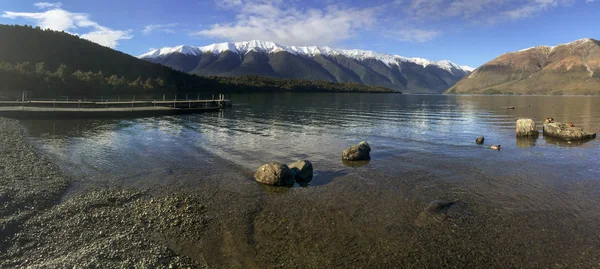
54,105
22,100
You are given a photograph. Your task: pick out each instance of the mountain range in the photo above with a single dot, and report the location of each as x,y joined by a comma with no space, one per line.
411,75
49,64
572,68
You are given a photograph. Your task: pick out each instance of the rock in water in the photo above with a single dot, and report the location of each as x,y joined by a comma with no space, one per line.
563,131
360,152
480,140
274,174
435,212
526,127
302,170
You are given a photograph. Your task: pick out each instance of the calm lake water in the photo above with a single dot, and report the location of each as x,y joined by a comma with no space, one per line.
534,203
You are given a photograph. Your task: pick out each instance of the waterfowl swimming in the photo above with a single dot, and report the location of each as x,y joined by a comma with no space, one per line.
549,120
570,124
495,147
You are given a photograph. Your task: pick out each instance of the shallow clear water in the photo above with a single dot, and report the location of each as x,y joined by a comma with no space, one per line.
285,127
535,200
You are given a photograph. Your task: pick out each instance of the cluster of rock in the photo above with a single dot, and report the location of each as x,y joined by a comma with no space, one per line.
565,131
527,132
278,174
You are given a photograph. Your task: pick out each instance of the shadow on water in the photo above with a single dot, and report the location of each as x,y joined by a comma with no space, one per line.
563,143
355,164
526,142
320,178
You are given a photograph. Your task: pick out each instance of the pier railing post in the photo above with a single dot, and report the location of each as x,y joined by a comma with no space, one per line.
54,105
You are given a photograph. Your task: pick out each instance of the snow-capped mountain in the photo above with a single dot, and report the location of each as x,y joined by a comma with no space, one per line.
311,62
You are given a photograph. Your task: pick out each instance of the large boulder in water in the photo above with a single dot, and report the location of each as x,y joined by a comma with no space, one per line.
275,174
526,127
302,171
563,131
360,152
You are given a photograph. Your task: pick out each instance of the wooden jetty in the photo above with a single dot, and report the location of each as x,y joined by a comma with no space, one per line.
106,108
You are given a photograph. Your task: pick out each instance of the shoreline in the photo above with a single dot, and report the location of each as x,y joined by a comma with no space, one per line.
112,227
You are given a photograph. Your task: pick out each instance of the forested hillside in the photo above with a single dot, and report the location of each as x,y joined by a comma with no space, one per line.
48,63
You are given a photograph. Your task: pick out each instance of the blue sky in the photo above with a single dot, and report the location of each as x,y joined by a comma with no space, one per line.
467,32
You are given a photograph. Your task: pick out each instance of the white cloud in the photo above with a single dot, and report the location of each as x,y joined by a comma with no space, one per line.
46,5
165,28
61,20
285,24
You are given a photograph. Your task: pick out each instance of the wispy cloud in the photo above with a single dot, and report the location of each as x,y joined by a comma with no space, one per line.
61,20
47,5
283,23
416,35
480,11
165,28
416,15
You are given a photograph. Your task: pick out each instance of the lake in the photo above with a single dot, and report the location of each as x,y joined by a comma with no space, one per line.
534,203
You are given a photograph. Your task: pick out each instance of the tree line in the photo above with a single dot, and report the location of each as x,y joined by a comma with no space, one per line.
48,64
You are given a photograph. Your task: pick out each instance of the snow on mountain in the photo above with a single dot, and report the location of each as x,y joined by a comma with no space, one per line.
270,47
576,42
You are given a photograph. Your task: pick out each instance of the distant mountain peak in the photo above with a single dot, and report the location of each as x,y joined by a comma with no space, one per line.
569,68
574,43
244,47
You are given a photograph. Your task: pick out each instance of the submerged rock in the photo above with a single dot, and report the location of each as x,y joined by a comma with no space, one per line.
355,164
302,171
435,212
275,174
564,131
526,127
360,152
480,140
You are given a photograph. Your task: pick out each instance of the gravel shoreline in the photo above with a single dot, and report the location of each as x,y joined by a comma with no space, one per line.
109,228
